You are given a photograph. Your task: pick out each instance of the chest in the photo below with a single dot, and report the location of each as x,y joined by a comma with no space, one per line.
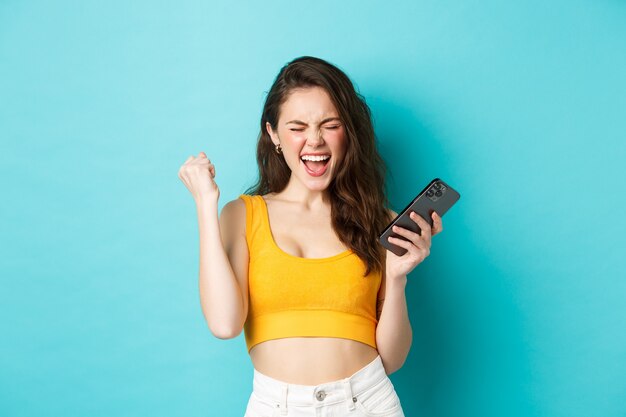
305,235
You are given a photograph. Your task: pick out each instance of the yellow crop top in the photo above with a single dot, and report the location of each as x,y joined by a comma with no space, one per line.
290,296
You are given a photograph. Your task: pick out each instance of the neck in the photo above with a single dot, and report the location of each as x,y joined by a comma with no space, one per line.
309,199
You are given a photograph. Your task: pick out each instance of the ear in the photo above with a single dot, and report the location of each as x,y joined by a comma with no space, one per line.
272,134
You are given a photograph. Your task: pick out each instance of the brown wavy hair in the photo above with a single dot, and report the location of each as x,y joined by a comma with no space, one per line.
357,192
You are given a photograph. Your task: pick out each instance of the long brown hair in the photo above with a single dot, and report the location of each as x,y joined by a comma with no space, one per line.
357,192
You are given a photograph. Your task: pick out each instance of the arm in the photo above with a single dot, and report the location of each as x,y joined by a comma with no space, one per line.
223,274
394,335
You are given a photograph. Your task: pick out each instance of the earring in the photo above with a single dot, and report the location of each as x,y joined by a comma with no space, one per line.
278,149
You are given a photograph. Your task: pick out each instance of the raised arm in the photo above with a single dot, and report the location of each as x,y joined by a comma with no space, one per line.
223,274
223,271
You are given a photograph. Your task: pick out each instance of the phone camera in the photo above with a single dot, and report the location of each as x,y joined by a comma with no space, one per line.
436,191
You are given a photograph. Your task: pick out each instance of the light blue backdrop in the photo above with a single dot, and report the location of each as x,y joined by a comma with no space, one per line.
520,309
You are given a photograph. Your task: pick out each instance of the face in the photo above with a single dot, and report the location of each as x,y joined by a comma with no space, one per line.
311,135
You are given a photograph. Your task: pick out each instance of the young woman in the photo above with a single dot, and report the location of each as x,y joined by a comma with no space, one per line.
295,261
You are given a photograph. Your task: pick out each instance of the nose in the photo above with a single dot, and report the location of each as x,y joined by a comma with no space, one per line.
315,139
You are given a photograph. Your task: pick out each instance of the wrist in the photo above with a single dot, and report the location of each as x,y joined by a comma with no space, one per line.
206,205
395,281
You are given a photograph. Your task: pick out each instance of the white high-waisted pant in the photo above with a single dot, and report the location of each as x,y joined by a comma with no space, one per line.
367,393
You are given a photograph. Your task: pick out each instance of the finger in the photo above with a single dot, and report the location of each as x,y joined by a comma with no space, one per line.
412,251
410,247
412,236
437,223
420,242
423,224
201,161
202,155
189,159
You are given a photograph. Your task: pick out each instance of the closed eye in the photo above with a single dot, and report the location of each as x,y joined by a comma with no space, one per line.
327,127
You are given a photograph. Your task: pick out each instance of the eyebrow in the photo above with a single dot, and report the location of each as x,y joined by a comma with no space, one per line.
328,119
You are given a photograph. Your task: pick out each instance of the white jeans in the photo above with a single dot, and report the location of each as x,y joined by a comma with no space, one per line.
367,393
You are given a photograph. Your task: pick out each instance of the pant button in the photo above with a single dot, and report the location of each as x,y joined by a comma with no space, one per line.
320,395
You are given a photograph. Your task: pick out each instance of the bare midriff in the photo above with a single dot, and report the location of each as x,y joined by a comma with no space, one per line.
311,360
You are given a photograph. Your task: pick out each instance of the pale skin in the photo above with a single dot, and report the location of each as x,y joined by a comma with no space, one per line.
301,226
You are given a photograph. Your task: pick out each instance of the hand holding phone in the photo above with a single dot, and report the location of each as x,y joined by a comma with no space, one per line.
436,196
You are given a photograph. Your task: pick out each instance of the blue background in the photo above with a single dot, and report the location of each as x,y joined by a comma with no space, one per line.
518,311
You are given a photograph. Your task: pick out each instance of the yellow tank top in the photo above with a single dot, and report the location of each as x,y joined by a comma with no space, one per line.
290,296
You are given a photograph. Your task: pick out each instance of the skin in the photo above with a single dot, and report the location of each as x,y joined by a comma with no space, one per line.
300,224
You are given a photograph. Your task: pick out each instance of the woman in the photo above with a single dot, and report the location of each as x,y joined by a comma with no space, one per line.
295,261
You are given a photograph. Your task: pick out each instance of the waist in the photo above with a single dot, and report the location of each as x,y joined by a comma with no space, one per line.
310,360
333,391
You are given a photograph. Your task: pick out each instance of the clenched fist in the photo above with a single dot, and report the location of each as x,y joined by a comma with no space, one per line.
198,174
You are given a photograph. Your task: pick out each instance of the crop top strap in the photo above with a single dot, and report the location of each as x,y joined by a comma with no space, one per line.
254,217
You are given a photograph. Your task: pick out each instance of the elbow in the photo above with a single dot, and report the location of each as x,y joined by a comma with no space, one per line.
225,333
393,362
224,327
223,330
391,368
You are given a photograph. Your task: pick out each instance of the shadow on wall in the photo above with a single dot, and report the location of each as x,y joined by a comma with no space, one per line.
468,334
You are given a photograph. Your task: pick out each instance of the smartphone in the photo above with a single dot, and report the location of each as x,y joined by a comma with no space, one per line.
436,196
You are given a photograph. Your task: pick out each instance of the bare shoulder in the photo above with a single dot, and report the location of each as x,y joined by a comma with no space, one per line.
233,215
235,205
380,297
381,292
232,223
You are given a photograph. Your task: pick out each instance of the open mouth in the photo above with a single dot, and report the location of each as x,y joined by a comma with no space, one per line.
315,165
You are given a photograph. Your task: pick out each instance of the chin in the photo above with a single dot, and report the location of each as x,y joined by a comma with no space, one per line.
317,186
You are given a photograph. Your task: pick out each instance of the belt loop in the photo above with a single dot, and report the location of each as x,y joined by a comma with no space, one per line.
283,400
349,397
